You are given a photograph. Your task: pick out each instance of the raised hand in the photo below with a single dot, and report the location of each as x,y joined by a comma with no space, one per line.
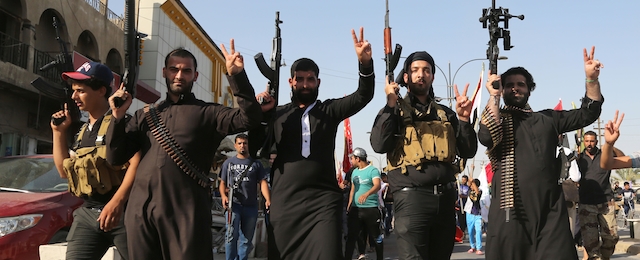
591,65
234,61
363,47
463,104
60,114
612,129
493,78
119,112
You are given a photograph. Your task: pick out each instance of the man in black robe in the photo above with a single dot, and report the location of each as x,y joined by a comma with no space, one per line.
169,212
306,202
528,215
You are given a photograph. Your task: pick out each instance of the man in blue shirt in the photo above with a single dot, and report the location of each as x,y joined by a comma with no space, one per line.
362,210
245,198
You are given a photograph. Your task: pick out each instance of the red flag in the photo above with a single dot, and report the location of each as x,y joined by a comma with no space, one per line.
489,173
348,146
558,106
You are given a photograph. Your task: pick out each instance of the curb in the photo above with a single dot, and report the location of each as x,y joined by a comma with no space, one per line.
631,246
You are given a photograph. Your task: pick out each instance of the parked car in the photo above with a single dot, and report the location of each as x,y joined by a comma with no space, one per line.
35,206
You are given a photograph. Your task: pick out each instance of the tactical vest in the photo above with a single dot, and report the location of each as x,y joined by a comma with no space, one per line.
88,171
424,141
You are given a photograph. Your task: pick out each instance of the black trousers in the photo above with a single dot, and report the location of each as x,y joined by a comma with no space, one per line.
367,219
425,224
87,241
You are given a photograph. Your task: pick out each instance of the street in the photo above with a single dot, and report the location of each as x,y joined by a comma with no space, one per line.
460,250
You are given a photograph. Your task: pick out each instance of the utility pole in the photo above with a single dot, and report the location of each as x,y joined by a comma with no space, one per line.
599,129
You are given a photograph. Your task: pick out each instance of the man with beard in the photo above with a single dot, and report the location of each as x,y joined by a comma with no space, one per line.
596,210
306,202
528,215
169,210
422,139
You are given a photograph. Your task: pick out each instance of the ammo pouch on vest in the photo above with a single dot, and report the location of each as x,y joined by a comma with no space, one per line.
88,172
424,141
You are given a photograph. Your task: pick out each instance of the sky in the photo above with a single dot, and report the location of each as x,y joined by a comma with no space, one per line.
549,43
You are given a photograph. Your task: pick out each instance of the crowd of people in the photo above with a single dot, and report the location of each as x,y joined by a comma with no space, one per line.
153,162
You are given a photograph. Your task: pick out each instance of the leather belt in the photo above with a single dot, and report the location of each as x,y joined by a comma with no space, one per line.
435,189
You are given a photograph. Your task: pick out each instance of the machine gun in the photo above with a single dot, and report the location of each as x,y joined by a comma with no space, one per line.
391,58
490,19
63,62
272,73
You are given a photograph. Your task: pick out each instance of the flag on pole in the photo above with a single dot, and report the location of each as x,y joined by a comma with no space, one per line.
489,172
558,107
348,146
476,98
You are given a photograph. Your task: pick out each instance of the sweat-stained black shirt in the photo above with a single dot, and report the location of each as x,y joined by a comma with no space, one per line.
384,138
595,187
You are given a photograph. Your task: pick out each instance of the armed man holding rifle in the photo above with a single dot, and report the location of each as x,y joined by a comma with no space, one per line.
422,179
306,202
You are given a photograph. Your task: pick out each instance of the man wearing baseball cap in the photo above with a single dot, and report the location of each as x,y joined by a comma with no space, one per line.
362,209
98,223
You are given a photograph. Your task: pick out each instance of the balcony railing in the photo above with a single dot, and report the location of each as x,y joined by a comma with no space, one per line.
13,51
41,58
111,16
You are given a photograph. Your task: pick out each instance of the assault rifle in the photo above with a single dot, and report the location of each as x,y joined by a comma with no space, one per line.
272,73
391,58
132,50
63,63
490,18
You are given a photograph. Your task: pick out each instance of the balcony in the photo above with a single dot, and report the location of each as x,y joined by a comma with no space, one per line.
111,16
13,51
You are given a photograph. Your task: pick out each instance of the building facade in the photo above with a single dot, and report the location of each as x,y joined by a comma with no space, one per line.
89,30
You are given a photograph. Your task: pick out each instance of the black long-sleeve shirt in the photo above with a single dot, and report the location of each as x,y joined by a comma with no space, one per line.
384,138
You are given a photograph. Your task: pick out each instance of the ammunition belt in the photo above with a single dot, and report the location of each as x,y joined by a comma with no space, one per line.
508,165
503,133
166,140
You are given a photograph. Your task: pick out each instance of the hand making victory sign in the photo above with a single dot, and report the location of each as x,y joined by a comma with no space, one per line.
363,47
612,129
591,65
463,104
234,61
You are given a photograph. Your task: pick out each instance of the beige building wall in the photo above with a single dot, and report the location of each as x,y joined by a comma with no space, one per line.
169,26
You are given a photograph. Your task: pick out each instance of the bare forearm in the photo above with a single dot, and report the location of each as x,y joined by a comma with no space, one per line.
606,157
222,188
593,90
264,188
122,195
60,151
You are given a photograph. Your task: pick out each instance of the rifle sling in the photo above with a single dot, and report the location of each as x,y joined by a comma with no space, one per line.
166,140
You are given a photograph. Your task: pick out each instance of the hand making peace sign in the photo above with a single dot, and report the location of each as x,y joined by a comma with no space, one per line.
591,66
463,104
363,47
234,61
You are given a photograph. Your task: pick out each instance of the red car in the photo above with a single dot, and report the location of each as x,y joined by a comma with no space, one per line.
35,206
